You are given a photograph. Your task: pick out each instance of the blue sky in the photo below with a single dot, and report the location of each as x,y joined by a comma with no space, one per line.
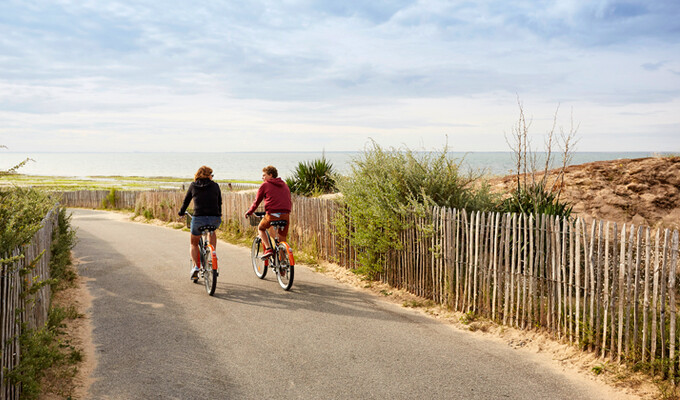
310,75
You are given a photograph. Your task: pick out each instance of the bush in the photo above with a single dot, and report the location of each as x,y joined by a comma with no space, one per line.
64,239
110,200
313,178
42,349
534,193
536,199
21,212
386,185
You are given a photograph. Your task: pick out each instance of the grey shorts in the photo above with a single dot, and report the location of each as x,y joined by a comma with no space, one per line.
203,220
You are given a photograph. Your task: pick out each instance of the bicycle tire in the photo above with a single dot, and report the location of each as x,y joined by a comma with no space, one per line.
259,265
210,278
285,272
209,272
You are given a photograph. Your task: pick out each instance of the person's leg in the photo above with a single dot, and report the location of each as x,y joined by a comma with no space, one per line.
264,238
216,221
262,228
194,250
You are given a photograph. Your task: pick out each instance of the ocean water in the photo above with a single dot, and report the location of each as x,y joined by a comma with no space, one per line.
247,166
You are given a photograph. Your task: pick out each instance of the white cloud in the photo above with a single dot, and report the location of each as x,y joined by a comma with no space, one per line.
126,74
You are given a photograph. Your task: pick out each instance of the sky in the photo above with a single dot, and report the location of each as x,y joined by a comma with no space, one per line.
220,76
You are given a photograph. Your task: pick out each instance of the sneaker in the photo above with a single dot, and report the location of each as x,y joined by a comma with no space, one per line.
194,273
267,253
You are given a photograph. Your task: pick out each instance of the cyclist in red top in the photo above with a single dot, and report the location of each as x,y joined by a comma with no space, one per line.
277,205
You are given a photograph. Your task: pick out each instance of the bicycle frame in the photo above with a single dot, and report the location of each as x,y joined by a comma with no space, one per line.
281,261
208,270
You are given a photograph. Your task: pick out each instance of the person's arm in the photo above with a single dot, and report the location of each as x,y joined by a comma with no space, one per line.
187,200
258,200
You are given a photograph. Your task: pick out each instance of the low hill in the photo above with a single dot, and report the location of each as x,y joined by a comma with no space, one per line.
643,191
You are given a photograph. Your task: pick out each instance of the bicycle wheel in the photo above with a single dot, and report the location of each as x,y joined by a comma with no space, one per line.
259,265
210,277
286,272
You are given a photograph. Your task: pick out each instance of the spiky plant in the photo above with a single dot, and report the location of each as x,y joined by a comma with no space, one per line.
313,178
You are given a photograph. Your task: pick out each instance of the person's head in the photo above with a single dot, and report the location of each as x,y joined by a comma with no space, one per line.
269,172
203,173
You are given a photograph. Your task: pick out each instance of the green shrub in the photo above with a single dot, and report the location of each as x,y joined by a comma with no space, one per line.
64,239
42,349
313,178
21,212
385,185
536,199
534,192
110,200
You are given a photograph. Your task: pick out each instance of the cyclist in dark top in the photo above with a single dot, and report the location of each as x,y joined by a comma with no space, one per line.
207,198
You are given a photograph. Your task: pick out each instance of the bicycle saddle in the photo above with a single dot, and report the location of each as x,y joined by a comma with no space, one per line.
207,228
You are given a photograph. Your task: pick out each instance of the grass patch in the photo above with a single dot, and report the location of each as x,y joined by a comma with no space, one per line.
64,183
417,303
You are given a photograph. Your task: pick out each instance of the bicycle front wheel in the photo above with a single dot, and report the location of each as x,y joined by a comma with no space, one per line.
259,265
286,272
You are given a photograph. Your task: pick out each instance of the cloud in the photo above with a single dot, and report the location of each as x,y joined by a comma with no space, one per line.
328,64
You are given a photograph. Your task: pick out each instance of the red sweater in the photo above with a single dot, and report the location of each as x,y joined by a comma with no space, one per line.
276,195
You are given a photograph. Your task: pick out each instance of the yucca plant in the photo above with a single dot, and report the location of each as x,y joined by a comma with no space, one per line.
536,199
313,178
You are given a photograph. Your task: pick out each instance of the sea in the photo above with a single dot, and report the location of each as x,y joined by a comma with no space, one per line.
247,165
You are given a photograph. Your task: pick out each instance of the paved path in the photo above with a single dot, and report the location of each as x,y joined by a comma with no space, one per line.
159,336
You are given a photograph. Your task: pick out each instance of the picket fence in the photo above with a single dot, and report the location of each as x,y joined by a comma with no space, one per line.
18,308
127,199
605,287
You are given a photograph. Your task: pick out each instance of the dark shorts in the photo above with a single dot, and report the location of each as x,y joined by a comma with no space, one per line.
203,220
267,220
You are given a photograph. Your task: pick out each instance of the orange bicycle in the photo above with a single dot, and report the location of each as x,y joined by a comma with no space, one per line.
208,255
282,261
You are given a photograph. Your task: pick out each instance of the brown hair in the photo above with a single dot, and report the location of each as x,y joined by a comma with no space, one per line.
271,171
203,172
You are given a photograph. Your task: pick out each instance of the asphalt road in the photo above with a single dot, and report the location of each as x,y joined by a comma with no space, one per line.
159,336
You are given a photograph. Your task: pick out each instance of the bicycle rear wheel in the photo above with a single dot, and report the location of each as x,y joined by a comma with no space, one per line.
202,258
286,272
210,277
259,265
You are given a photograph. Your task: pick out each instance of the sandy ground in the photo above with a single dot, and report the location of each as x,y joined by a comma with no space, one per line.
59,384
642,191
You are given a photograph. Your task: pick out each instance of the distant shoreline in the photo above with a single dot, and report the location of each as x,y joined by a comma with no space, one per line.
247,166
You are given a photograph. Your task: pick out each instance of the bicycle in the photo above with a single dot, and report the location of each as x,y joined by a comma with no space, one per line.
208,270
282,261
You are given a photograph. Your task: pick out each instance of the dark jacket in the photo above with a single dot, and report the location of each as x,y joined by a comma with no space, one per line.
207,198
276,195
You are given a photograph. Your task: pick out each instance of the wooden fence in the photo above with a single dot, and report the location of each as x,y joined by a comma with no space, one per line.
610,289
17,308
127,199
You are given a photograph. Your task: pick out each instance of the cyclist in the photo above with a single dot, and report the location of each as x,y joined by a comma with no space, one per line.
207,198
277,205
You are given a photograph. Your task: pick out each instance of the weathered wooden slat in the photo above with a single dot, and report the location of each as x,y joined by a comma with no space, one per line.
645,309
606,298
655,295
622,291
673,306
